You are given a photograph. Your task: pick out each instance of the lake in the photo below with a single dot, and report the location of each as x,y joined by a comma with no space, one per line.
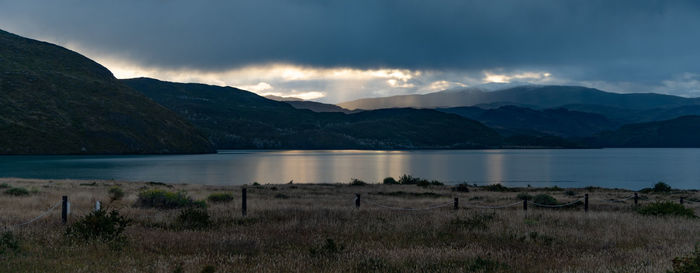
622,168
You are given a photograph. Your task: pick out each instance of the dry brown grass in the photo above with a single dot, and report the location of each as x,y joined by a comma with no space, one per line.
279,234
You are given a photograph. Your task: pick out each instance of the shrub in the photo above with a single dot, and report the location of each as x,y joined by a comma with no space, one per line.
281,196
666,208
661,187
328,248
545,199
357,182
17,192
495,187
4,186
407,179
464,187
524,196
192,218
8,242
220,197
99,225
115,193
390,181
688,264
256,184
166,200
208,269
570,193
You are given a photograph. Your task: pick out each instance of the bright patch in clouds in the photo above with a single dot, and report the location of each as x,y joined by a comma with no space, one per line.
491,77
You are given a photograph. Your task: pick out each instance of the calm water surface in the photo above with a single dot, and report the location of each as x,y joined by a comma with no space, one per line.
623,168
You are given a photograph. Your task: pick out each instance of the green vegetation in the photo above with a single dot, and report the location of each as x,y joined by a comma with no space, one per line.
4,186
687,264
8,242
17,192
357,182
115,193
496,187
99,225
666,208
166,200
545,199
193,218
659,187
524,196
220,197
389,181
462,187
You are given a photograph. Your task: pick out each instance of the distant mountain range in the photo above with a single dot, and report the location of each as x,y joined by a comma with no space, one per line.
233,118
530,96
56,101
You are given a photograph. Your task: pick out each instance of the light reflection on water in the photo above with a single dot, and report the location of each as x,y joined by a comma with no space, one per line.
624,168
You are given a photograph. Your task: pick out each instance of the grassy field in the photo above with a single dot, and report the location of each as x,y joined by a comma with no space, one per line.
316,228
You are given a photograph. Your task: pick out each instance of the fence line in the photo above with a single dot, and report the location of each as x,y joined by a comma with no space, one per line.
494,207
556,206
36,218
404,208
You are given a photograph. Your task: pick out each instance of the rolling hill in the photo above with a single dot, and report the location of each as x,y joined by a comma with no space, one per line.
234,118
677,132
56,101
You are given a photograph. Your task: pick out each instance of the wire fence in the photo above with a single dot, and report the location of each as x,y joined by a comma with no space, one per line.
42,215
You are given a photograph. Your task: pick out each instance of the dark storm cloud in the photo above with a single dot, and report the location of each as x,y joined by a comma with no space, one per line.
640,41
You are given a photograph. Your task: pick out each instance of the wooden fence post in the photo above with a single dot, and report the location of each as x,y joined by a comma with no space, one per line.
244,201
585,202
456,203
681,200
525,204
64,209
636,199
357,200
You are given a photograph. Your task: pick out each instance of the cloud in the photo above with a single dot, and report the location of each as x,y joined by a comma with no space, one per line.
642,44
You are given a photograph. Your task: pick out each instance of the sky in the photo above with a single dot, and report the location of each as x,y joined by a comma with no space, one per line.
335,51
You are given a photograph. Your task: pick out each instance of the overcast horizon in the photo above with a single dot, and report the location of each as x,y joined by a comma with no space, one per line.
335,51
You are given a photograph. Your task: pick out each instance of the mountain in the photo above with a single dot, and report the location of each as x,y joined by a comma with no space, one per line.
678,132
56,101
535,96
234,118
518,120
310,105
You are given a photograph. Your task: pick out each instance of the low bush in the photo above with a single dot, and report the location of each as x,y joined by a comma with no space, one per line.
99,225
425,183
524,196
328,248
474,222
666,208
570,193
464,187
357,182
17,192
659,187
222,197
390,181
4,186
281,196
687,264
166,200
193,218
8,242
545,199
496,187
407,179
115,193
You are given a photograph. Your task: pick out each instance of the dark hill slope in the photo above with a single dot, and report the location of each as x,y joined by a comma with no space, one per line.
678,132
233,118
56,101
557,121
